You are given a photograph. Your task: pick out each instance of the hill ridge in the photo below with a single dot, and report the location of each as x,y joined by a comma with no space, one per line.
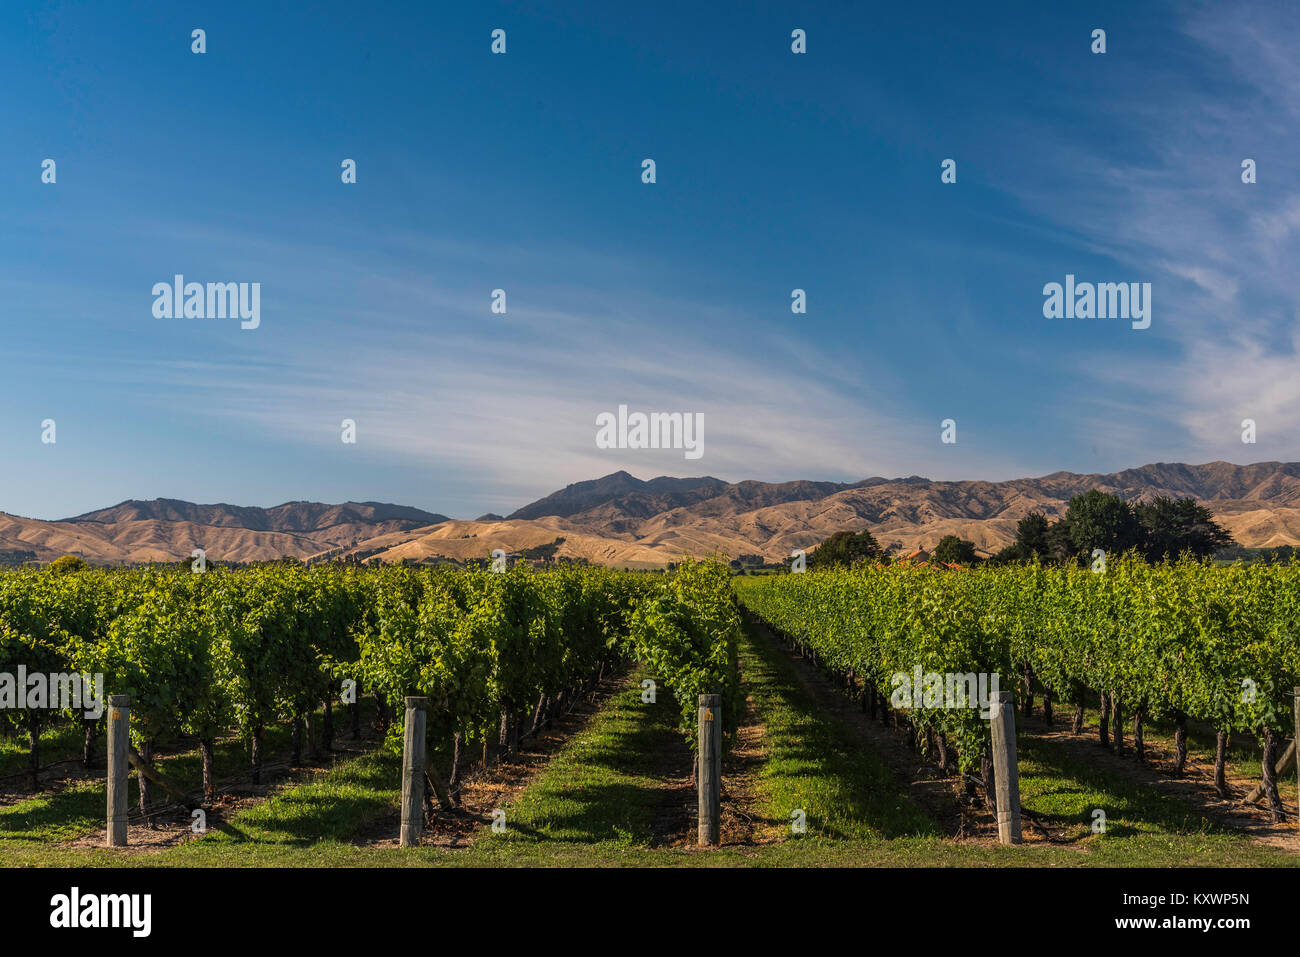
622,519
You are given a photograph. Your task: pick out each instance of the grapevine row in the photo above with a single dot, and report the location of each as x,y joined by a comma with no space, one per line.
200,654
1176,641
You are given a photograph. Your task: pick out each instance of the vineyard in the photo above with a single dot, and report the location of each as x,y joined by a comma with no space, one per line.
207,655
570,703
1185,641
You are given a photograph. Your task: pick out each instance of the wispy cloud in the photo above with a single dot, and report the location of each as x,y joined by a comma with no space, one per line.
1218,251
513,399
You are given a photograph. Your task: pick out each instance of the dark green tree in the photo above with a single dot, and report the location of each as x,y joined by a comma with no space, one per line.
1032,542
953,550
1008,555
1100,520
544,552
1060,547
845,548
1172,526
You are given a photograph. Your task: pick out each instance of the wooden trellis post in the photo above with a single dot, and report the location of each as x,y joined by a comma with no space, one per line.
1006,773
413,757
119,748
710,776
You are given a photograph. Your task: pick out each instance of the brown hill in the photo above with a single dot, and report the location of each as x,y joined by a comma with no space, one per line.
167,530
614,519
634,495
623,520
289,517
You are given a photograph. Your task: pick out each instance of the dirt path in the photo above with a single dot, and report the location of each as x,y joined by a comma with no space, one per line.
743,820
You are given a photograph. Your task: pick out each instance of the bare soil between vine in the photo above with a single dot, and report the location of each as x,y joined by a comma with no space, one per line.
743,820
742,823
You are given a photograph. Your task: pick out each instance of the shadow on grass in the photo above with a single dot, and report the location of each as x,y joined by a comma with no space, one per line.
59,815
1058,784
816,763
616,781
333,806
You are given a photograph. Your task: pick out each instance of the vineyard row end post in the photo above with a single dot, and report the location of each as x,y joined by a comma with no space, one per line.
709,778
413,756
119,745
1006,773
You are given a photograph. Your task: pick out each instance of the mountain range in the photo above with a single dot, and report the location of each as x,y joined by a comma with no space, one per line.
169,530
623,520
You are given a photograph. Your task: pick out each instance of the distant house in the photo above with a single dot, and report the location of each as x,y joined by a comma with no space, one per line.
917,557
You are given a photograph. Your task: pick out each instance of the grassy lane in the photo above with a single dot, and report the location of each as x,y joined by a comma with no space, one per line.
1144,828
816,764
62,742
78,805
1060,785
54,816
329,807
36,824
606,786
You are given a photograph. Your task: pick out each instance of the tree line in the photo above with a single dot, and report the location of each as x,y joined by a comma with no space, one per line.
1161,528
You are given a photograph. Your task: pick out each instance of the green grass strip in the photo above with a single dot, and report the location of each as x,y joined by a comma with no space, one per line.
815,763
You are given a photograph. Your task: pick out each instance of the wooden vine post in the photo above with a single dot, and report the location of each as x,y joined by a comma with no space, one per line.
1006,774
413,759
710,777
119,746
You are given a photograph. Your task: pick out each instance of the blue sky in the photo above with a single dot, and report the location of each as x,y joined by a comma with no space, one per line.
775,171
